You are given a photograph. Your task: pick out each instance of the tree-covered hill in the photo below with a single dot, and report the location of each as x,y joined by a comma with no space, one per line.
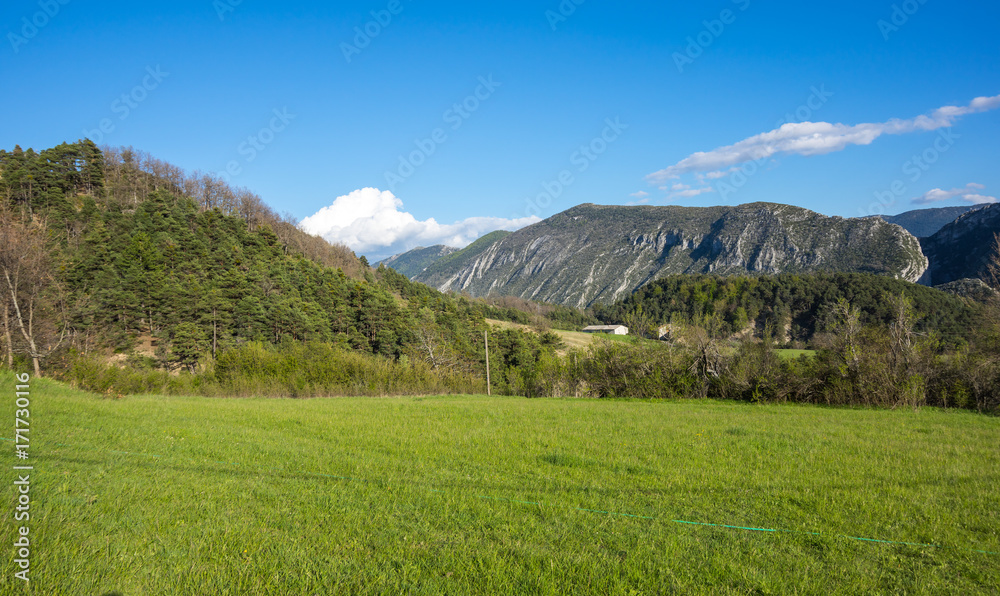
796,306
134,253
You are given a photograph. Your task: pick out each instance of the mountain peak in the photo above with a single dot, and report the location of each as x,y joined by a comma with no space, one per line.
601,253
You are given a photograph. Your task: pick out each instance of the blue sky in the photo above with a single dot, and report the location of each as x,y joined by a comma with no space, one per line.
457,118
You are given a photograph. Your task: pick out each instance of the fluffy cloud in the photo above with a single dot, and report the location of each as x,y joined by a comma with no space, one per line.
815,138
687,193
969,194
372,222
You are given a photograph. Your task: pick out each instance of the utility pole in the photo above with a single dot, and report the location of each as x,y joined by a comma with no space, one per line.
486,337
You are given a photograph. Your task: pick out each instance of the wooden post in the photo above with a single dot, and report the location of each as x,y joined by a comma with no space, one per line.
486,336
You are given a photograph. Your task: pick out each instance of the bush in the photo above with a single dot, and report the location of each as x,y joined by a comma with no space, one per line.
649,371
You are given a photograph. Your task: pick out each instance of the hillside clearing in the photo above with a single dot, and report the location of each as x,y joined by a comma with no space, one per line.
572,339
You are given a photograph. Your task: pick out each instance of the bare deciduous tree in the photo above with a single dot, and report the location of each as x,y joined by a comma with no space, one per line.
25,272
848,332
901,330
8,344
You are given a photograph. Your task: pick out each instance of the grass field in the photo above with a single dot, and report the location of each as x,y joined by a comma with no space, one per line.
578,339
473,495
572,339
793,354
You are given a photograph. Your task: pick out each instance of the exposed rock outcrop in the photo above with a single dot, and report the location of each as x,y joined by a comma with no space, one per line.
963,248
594,253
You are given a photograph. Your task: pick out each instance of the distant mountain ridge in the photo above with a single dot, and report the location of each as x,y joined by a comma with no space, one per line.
963,248
924,223
594,253
450,262
413,262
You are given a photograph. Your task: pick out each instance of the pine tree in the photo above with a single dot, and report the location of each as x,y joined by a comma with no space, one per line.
188,344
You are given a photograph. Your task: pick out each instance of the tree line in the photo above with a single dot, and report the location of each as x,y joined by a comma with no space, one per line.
797,307
121,273
113,251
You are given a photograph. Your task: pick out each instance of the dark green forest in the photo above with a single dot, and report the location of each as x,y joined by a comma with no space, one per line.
125,274
795,306
136,258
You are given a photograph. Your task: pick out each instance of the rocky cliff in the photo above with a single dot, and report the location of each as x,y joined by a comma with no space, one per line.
594,253
413,262
963,248
924,223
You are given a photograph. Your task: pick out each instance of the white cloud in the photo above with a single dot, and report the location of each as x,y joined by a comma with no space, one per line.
979,199
372,222
640,195
717,174
815,138
968,194
689,192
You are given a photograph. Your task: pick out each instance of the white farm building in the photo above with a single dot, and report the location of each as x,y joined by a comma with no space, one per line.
611,329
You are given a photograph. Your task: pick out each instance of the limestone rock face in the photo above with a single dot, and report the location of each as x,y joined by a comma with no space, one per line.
924,223
594,253
963,248
413,262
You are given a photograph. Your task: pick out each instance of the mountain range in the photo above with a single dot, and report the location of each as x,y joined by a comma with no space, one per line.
924,223
413,262
963,248
600,254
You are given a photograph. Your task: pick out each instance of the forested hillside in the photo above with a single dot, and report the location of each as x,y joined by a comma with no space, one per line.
795,307
131,255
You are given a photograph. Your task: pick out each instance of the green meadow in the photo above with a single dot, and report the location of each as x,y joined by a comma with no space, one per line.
793,354
153,495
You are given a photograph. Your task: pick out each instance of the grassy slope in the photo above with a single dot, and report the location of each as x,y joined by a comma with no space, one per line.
247,497
572,339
